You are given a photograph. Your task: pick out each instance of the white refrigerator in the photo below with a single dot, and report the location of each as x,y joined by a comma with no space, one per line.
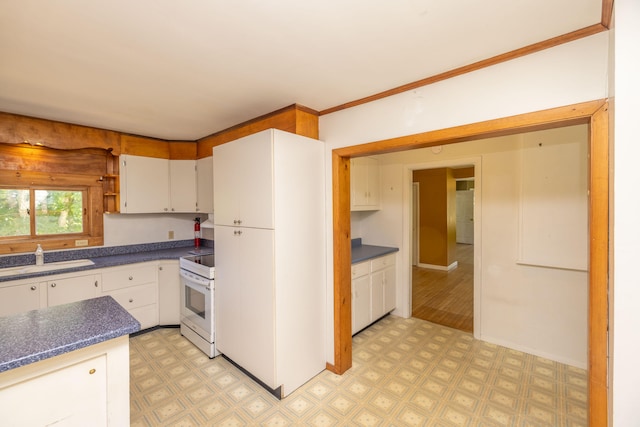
270,286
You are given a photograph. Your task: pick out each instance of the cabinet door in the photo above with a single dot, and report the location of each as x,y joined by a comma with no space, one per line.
20,298
182,177
358,182
360,303
169,293
205,184
72,289
373,183
365,184
389,289
243,181
144,184
377,295
244,299
74,395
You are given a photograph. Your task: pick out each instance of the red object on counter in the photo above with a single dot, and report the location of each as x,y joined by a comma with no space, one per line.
196,233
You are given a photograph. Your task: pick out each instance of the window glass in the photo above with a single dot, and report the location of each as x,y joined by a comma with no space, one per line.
58,212
14,212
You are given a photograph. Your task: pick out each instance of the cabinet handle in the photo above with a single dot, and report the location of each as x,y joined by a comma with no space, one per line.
130,299
237,221
92,371
237,232
95,283
53,285
130,277
33,288
160,268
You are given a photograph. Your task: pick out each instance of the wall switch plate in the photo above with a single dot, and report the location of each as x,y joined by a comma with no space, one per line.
82,243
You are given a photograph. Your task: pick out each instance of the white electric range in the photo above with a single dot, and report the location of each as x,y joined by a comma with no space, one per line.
196,301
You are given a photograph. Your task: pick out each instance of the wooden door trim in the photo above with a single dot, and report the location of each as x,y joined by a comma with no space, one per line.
594,113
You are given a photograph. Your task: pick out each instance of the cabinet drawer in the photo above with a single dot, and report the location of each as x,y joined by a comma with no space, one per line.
134,297
383,262
133,275
360,269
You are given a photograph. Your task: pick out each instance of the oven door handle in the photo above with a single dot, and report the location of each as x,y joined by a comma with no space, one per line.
193,279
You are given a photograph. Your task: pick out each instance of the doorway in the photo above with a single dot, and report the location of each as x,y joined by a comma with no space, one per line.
442,280
596,114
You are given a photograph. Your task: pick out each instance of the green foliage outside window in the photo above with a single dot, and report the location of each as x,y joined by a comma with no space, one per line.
56,212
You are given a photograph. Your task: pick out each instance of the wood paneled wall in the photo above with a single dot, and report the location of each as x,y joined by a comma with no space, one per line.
16,129
437,209
295,119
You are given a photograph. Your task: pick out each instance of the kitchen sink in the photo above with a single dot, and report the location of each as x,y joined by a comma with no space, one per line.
50,266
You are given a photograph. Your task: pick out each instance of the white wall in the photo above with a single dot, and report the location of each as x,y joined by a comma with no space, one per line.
568,74
129,229
531,308
626,228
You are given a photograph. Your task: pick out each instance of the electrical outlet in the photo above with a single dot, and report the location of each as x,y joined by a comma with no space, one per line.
171,234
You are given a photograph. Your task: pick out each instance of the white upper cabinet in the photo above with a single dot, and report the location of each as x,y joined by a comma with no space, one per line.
144,184
182,181
365,184
205,184
243,182
153,185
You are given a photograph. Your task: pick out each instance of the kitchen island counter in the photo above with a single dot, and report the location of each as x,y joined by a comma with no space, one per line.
42,334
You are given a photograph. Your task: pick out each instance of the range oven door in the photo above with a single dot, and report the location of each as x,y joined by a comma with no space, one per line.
196,308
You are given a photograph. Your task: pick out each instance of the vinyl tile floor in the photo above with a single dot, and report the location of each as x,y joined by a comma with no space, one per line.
406,372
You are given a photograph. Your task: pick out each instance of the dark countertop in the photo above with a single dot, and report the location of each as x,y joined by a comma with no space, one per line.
360,252
41,334
102,257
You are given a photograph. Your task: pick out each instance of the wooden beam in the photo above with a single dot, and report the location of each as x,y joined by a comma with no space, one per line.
598,266
341,271
546,119
294,118
16,129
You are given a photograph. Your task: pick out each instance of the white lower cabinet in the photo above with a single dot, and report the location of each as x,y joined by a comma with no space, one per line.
373,290
135,287
150,291
169,293
68,288
19,296
86,387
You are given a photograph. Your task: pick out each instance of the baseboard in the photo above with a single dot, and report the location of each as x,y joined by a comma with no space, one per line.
450,267
535,352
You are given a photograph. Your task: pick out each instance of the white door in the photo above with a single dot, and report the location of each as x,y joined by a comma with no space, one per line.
464,217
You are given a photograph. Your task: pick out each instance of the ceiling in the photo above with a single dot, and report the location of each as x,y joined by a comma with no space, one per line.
183,70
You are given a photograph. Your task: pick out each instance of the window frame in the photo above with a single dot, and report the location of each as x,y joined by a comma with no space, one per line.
92,234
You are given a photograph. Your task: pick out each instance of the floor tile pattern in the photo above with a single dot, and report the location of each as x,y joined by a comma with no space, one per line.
406,372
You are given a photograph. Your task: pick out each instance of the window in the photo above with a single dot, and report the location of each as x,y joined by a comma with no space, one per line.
36,212
51,197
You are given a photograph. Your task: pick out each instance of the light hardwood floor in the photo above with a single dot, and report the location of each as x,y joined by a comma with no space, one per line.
446,298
